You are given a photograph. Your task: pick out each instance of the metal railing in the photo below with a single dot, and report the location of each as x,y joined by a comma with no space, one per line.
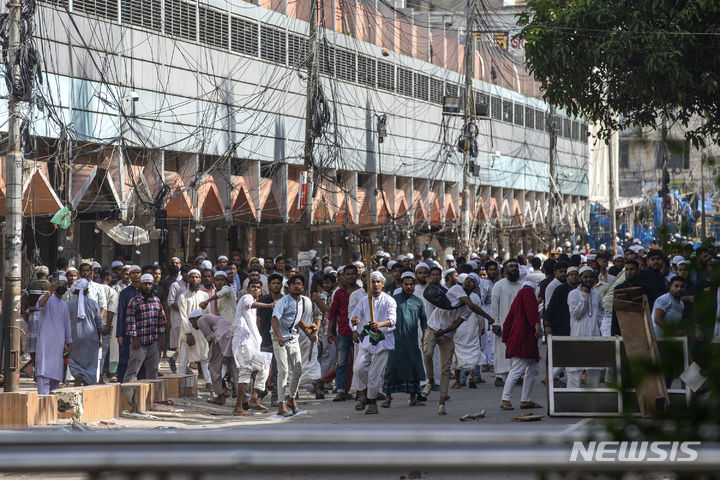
321,448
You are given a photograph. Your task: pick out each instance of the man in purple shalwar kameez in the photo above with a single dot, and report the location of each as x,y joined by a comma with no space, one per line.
53,336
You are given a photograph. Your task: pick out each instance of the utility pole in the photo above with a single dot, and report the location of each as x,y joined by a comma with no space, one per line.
468,112
312,74
13,208
611,188
550,123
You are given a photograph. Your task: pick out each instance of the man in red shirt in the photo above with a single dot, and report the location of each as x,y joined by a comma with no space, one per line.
520,334
340,333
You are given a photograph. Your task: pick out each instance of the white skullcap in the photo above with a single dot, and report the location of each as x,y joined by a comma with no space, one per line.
434,264
327,269
196,313
483,252
220,273
222,257
390,264
206,265
176,258
380,253
407,275
360,265
473,264
341,269
96,265
421,265
116,263
683,262
572,269
583,258
400,258
135,267
410,256
530,254
449,257
377,276
586,269
676,260
71,269
42,270
617,256
602,247
194,270
199,257
62,278
147,278
449,271
331,272
637,241
591,256
462,277
635,248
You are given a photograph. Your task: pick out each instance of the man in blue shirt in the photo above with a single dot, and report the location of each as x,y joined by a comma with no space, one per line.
292,313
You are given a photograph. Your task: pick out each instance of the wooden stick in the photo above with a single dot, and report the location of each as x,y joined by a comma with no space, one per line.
365,250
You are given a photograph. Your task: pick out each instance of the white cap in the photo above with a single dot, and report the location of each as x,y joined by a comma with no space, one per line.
116,263
421,265
222,257
591,256
135,268
71,269
407,275
617,256
602,247
677,259
572,269
147,278
377,276
637,241
530,254
196,313
449,271
62,278
194,270
220,273
449,258
390,264
400,258
206,265
96,265
462,277
635,248
410,256
586,269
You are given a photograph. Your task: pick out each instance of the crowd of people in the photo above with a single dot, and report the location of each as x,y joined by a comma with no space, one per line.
408,326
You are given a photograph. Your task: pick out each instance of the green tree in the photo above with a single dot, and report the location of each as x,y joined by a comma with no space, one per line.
628,63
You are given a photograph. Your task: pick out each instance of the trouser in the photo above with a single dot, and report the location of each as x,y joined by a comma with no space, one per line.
370,371
245,375
489,349
216,362
147,355
345,361
447,348
46,385
182,363
328,356
105,353
124,354
272,376
592,378
528,367
289,367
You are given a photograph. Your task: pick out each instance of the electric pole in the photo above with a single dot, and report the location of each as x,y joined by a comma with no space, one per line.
13,206
551,160
312,74
468,112
611,188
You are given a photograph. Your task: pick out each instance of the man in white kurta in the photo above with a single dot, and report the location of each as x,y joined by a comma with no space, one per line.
502,297
586,313
54,335
192,346
176,289
371,359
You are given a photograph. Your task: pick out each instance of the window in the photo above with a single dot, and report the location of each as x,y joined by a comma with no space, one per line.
345,65
530,114
624,154
213,27
272,44
297,50
386,76
496,111
677,152
421,86
244,37
575,131
97,8
540,119
142,13
327,59
366,70
567,128
507,111
180,19
436,90
404,81
519,114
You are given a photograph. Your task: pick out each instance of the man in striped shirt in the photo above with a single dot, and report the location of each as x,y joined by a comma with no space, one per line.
146,327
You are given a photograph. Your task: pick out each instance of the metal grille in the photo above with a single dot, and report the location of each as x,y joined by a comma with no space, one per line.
142,13
421,86
507,111
404,83
386,76
56,3
213,27
97,8
345,65
436,90
482,103
272,44
530,114
366,70
539,119
575,130
180,19
557,122
519,118
566,128
244,37
451,90
327,59
496,103
297,50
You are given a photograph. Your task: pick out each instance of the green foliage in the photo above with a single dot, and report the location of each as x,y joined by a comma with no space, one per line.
628,63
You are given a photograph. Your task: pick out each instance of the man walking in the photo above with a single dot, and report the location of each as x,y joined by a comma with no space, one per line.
340,333
146,329
586,313
372,358
192,347
123,339
54,336
503,295
86,324
520,335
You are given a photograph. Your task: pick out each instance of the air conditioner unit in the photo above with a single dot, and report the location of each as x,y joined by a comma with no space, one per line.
481,109
451,104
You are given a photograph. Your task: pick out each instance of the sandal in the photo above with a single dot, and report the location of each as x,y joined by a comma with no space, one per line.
505,405
526,405
386,403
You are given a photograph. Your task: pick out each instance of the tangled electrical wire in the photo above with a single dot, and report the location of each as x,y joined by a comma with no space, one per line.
25,55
